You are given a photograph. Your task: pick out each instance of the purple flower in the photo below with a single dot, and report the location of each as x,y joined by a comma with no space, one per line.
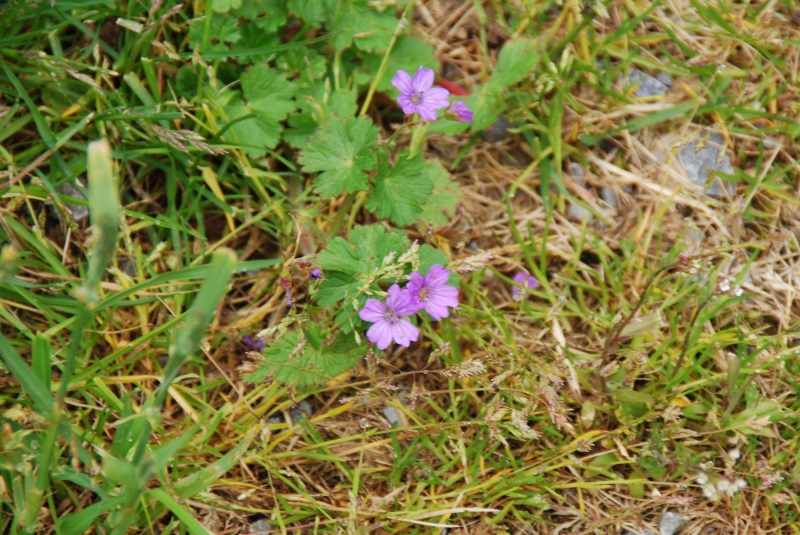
389,320
460,112
315,274
433,293
529,282
417,95
256,345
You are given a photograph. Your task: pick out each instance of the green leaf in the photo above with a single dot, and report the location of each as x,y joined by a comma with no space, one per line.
355,23
428,256
81,521
293,361
631,396
269,99
223,6
400,193
408,54
267,15
311,11
187,518
319,104
306,64
187,339
343,263
486,106
42,399
201,480
517,58
224,29
268,92
342,150
444,198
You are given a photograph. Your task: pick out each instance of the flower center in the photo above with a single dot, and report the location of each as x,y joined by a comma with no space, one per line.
415,98
391,316
424,293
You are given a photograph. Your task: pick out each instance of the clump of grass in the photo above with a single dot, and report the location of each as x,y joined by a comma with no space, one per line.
629,375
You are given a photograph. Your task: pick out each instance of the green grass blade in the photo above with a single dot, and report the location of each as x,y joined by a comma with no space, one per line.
32,385
188,337
189,521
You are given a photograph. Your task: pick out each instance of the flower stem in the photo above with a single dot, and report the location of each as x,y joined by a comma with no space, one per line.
343,209
401,25
418,135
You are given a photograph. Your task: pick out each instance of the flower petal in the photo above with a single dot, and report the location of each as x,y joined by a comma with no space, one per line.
422,80
405,332
426,113
436,97
380,334
373,311
437,275
402,82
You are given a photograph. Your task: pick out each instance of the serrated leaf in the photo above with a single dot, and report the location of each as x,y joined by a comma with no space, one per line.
343,263
400,193
306,64
408,54
223,6
444,198
335,287
517,58
355,23
269,92
428,256
486,106
267,15
298,364
312,11
319,104
269,98
224,29
342,150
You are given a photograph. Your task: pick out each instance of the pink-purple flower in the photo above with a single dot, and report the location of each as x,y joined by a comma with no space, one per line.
459,111
389,320
528,282
417,94
432,293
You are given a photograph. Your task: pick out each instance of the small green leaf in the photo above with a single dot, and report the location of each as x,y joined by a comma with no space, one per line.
298,363
444,198
408,54
342,150
400,193
223,6
224,29
355,23
517,58
631,396
269,97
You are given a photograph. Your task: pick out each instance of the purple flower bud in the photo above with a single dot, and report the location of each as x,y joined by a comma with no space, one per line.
315,274
460,112
256,345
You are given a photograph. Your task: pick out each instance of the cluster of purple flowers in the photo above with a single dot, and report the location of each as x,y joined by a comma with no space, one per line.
390,319
418,96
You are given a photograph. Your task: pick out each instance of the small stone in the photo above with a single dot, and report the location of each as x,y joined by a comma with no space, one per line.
391,414
670,523
608,195
259,526
498,131
78,212
698,163
649,86
579,213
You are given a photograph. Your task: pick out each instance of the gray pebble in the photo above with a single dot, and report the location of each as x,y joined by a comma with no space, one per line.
698,163
259,526
670,523
649,86
498,131
608,195
391,414
78,212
